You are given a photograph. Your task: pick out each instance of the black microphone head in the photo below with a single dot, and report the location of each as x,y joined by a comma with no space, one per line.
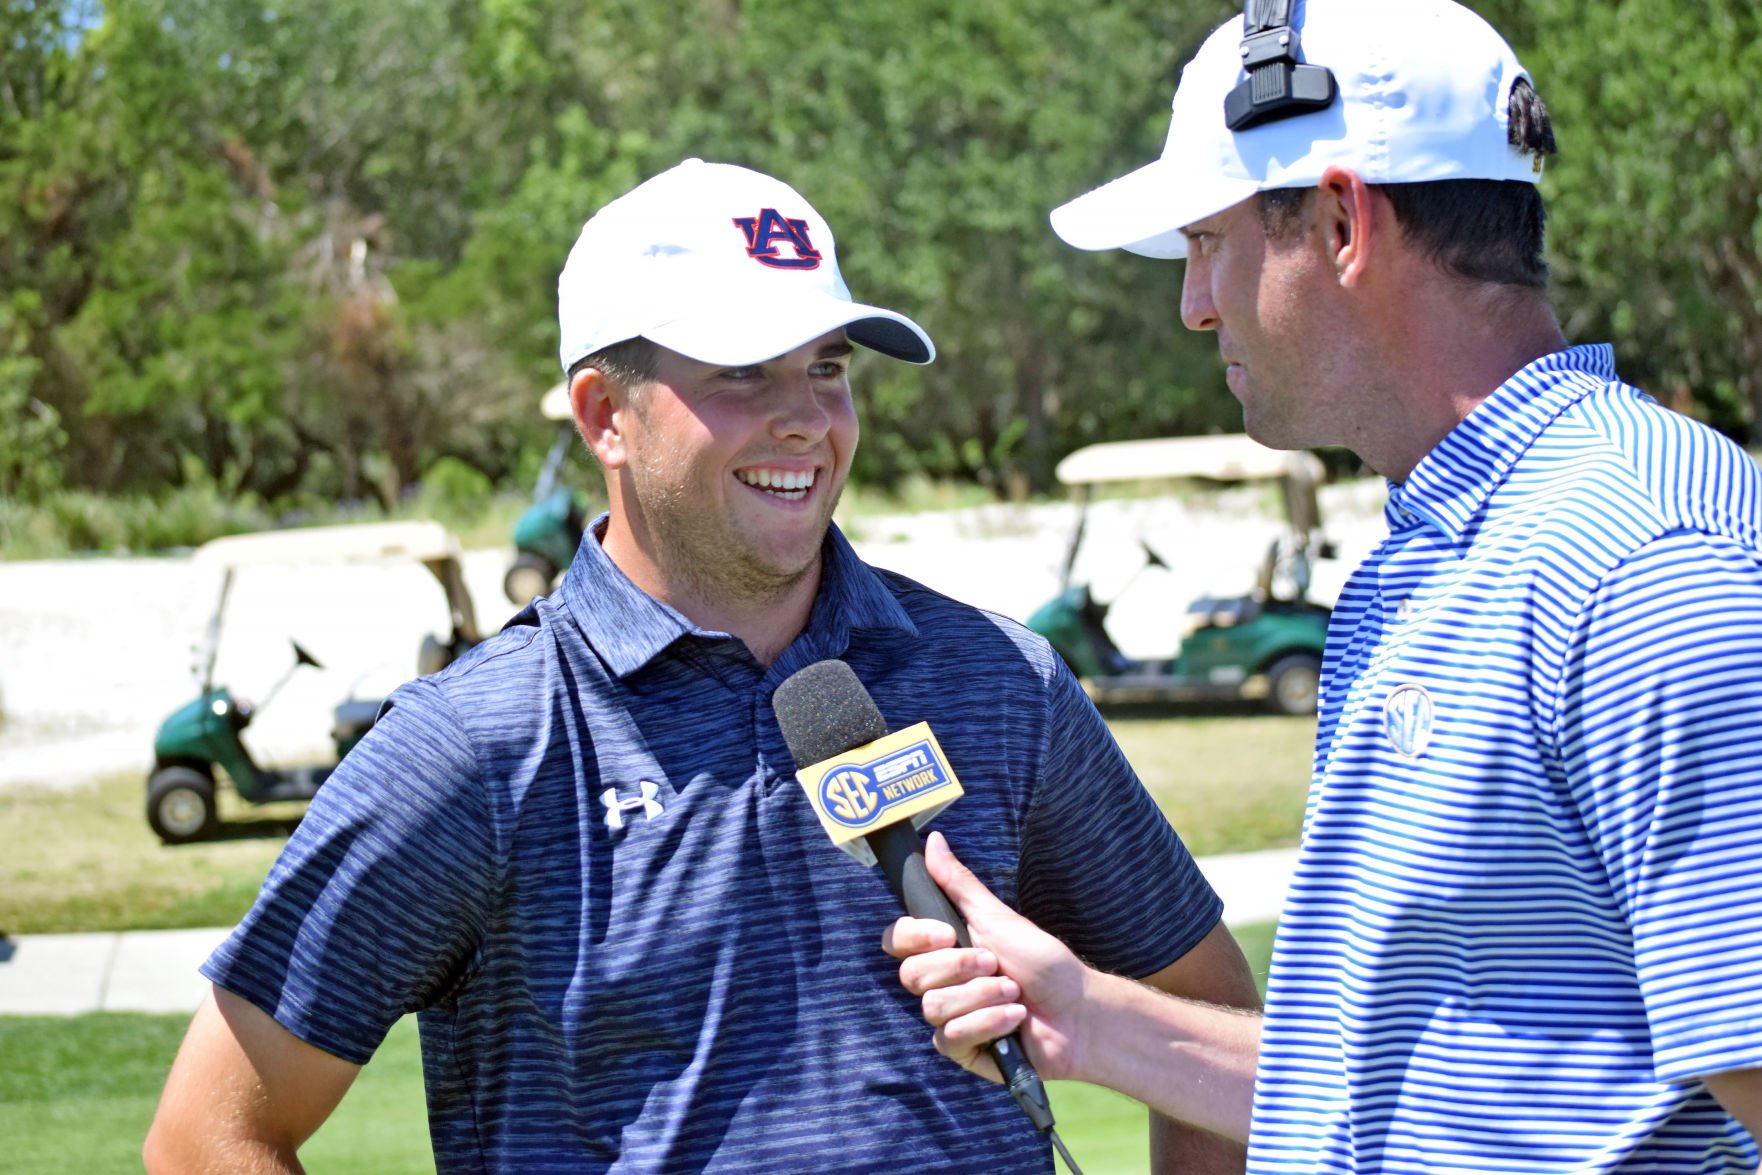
823,710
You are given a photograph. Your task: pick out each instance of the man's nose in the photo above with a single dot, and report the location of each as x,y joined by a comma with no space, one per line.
798,410
1197,310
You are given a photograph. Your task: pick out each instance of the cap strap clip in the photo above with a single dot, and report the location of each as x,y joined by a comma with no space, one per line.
1276,86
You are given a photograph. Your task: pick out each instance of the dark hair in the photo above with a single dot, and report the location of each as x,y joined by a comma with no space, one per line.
630,364
1481,230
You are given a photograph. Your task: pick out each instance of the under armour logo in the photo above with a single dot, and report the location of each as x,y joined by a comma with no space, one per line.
765,230
646,803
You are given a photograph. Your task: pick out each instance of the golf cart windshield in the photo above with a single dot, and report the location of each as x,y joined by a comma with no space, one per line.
428,543
1226,460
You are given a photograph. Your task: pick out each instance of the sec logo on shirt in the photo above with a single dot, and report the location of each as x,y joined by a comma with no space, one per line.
1407,720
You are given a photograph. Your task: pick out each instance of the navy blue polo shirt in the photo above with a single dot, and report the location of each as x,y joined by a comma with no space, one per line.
582,856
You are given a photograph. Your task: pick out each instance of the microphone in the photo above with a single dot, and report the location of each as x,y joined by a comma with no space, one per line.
872,790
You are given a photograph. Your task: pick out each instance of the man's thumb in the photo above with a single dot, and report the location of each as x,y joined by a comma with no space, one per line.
977,905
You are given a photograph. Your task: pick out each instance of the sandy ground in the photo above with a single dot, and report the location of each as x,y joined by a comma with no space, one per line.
95,652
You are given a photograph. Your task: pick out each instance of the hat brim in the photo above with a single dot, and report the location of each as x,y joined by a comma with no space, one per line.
1144,211
761,329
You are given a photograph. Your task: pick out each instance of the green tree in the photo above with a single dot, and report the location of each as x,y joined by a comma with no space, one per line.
1655,201
30,431
936,135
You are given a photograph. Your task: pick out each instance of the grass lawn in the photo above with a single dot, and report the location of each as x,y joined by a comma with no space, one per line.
77,1094
85,860
1229,782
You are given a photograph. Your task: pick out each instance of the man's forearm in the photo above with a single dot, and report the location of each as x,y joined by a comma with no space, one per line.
1179,1149
1740,1092
1191,1061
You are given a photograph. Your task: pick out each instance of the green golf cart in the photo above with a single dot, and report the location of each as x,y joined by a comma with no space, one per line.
198,748
548,532
1265,644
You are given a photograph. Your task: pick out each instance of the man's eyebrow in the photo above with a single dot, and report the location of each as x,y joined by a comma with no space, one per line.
835,350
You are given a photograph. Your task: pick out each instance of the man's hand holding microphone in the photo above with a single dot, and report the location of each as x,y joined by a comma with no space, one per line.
973,996
1190,1060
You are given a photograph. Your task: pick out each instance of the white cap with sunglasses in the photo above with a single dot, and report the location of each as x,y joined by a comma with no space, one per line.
1420,91
721,264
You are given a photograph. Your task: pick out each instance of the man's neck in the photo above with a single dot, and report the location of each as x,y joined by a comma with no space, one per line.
766,625
1455,355
766,617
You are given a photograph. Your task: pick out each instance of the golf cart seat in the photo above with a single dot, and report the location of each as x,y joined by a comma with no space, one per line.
353,718
1106,653
1225,611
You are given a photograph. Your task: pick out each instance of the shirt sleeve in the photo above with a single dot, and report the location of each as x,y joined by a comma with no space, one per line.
1101,868
375,907
1661,750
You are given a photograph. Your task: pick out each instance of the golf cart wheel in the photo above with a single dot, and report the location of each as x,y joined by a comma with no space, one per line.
1293,683
180,804
529,578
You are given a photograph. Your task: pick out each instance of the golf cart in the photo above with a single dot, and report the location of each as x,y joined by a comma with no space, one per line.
1266,644
204,734
548,532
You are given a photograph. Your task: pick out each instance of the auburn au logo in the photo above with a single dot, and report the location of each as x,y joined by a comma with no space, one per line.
769,229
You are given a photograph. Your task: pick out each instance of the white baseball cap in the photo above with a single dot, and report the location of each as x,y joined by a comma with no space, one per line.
721,264
1423,94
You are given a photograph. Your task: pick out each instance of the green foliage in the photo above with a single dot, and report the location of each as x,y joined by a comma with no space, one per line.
307,250
1655,202
452,492
63,521
939,136
27,531
31,436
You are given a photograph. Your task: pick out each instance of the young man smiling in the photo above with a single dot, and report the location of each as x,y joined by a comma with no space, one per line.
581,853
723,480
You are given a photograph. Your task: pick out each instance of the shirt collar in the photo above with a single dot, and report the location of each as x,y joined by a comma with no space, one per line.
1449,487
628,628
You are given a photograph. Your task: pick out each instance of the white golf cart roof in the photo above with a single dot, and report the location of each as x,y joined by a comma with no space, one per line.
422,542
555,404
1234,457
427,543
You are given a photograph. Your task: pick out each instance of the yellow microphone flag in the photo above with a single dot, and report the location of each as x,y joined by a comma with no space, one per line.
901,776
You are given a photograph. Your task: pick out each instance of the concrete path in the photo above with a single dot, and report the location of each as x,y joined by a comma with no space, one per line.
155,970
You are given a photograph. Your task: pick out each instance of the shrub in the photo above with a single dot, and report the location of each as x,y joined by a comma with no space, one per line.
68,522
452,492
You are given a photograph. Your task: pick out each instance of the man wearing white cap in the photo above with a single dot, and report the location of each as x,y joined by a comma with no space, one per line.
581,853
1524,932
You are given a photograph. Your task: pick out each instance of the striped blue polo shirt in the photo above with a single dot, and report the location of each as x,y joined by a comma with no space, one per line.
1526,918
581,854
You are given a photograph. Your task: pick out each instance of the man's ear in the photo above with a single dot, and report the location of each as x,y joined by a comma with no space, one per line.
599,405
1352,222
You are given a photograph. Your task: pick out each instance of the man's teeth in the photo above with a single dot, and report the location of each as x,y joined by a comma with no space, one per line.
773,479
